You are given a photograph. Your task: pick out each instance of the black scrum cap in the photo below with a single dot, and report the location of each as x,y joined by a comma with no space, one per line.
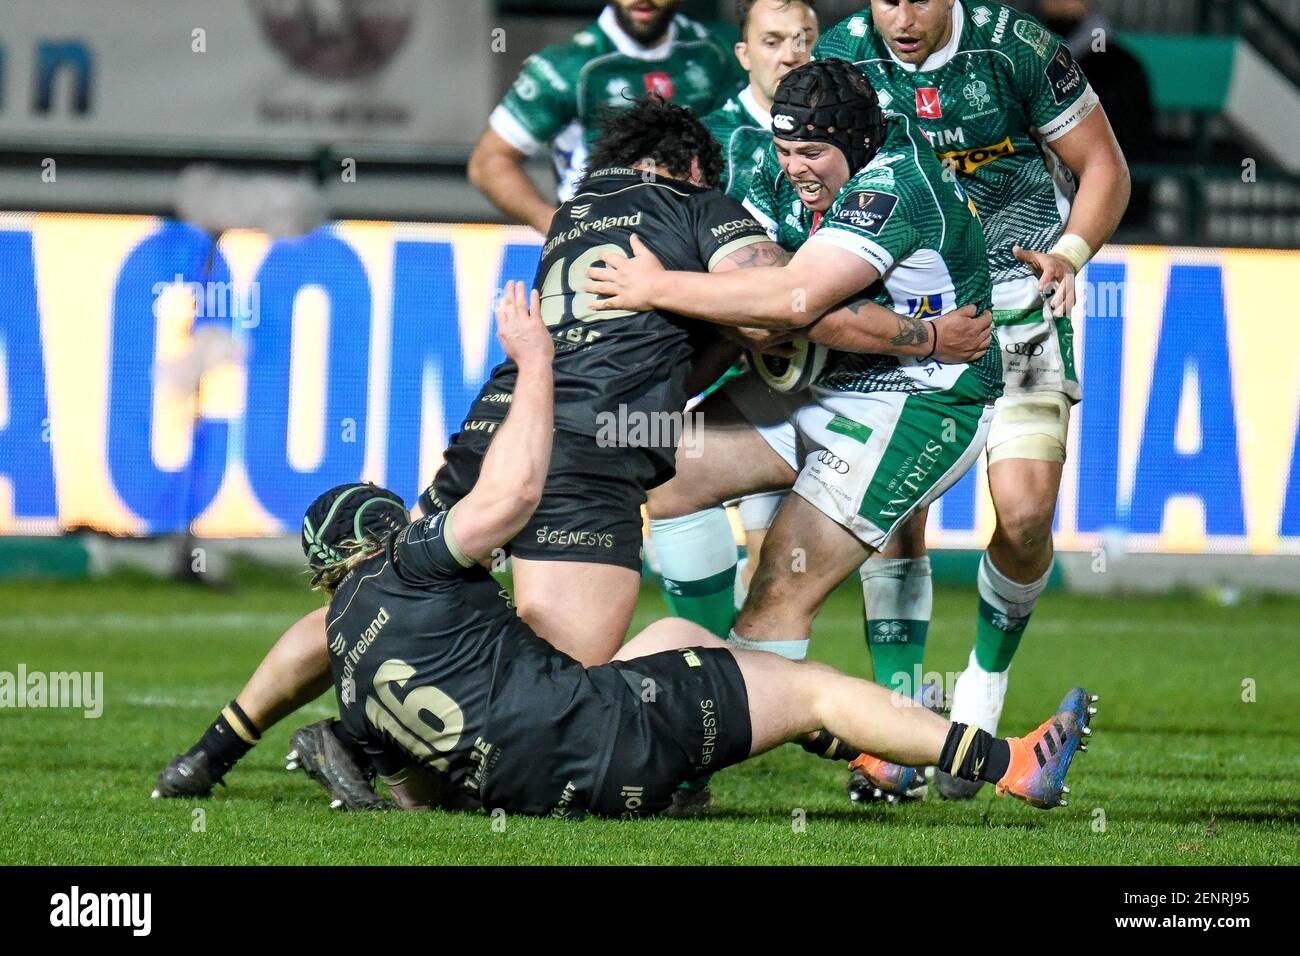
354,512
830,101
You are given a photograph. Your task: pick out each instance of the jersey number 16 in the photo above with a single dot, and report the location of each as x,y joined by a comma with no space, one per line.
400,718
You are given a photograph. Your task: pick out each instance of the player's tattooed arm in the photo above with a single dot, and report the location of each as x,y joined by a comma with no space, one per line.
860,325
754,256
911,333
759,255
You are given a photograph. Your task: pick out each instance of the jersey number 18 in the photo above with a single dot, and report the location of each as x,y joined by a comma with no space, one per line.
553,290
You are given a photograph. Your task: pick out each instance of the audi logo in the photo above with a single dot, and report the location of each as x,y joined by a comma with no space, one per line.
836,464
1025,348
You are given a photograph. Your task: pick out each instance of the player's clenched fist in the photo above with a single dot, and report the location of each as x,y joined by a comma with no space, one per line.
520,328
963,335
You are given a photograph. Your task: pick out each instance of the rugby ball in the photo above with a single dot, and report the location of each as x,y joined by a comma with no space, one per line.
791,374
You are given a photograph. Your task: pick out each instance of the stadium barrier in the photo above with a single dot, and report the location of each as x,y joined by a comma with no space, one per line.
150,383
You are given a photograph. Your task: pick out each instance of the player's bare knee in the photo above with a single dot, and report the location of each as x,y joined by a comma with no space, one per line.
908,540
1025,529
664,503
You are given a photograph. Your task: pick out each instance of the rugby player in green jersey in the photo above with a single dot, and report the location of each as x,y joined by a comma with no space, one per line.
1012,116
635,47
776,36
867,206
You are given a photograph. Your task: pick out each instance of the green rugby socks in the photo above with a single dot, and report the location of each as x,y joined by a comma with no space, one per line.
1004,610
898,596
697,557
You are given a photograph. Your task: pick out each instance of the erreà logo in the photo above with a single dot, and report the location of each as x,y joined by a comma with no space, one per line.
783,121
579,212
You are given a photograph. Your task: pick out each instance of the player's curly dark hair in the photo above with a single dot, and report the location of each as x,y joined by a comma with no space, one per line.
655,129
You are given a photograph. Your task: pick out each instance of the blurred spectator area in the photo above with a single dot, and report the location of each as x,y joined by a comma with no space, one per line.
1211,130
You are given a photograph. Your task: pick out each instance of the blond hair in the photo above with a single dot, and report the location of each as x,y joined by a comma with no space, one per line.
331,575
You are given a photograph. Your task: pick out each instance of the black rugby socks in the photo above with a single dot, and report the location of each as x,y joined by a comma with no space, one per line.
973,754
829,747
227,739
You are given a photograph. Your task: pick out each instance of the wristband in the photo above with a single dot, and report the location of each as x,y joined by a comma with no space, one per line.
934,342
1073,249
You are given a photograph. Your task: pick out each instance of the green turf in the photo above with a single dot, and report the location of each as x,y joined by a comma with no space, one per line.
1183,769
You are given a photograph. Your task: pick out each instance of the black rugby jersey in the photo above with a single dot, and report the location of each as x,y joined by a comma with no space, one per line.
615,368
433,666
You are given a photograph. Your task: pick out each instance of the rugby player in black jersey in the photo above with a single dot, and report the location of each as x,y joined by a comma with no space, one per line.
623,377
447,691
621,384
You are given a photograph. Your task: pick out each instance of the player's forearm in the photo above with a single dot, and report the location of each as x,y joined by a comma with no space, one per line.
763,298
514,468
509,187
865,327
1100,202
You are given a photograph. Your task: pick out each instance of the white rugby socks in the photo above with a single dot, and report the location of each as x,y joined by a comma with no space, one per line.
790,650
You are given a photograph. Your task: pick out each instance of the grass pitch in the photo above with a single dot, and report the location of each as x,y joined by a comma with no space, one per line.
1183,769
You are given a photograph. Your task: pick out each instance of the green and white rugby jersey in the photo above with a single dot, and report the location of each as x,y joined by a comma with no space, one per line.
744,131
985,101
917,227
991,103
561,92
